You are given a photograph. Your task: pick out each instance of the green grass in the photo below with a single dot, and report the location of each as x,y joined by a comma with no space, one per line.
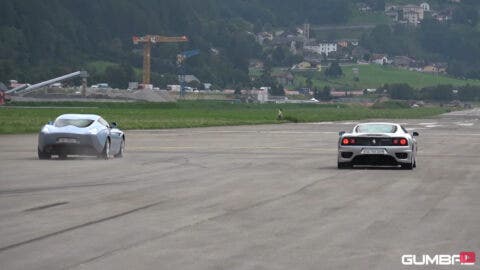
369,18
193,114
100,66
374,76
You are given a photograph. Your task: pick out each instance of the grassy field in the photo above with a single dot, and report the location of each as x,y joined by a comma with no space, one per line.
369,18
17,119
374,76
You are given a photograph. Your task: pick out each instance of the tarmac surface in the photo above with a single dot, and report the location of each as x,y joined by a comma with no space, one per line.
248,197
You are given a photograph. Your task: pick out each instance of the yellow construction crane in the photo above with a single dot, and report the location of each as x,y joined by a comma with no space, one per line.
147,41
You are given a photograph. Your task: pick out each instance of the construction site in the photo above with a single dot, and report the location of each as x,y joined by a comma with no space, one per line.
54,89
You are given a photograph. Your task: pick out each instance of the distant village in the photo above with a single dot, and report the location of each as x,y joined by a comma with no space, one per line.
349,51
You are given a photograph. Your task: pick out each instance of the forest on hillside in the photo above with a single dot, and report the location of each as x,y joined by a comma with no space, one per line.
43,38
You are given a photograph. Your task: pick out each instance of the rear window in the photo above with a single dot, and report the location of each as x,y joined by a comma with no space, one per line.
376,128
81,123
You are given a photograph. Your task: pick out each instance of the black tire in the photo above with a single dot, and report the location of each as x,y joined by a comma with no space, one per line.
122,148
407,166
344,165
106,150
62,156
43,155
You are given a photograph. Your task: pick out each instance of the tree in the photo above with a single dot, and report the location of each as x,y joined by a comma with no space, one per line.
238,90
119,76
325,93
196,85
162,80
277,90
439,92
400,91
309,82
334,70
469,93
466,14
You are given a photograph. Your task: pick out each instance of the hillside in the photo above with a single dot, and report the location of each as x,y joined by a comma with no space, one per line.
374,76
44,38
61,36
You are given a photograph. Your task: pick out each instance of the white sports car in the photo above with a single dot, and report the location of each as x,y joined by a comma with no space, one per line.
80,134
386,144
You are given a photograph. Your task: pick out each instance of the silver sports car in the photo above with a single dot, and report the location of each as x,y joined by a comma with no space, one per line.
80,134
377,144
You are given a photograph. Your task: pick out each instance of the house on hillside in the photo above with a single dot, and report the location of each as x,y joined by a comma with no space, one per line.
407,14
189,78
264,36
285,78
413,14
363,7
425,6
435,68
322,48
303,65
255,63
403,61
443,15
359,52
380,59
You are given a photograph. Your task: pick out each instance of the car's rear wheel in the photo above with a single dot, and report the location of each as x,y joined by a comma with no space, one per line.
106,150
120,151
43,155
407,166
344,165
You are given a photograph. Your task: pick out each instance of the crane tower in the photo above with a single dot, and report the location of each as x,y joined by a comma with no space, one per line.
147,41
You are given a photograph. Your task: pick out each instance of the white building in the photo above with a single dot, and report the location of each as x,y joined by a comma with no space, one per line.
262,94
413,14
425,6
322,48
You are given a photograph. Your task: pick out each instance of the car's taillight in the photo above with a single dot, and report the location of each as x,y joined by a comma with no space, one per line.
400,141
348,141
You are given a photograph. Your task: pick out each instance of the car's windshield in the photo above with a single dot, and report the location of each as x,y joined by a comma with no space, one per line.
81,123
376,128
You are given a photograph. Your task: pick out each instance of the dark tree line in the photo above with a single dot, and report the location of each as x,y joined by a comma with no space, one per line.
438,93
44,38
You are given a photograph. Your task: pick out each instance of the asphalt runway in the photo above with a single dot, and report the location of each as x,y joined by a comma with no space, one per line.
248,197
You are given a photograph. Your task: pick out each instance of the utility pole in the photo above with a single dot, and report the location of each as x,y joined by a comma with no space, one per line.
181,58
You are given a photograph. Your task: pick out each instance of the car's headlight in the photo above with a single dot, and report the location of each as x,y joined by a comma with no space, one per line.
93,131
45,129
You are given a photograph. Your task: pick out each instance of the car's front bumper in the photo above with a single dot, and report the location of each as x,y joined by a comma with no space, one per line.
382,155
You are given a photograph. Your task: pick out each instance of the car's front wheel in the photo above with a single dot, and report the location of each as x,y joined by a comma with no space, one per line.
43,155
344,165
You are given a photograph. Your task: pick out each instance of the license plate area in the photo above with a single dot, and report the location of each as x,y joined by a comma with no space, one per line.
67,140
374,151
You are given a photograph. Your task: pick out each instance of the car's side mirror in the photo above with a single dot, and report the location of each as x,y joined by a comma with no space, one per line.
50,123
341,133
415,134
